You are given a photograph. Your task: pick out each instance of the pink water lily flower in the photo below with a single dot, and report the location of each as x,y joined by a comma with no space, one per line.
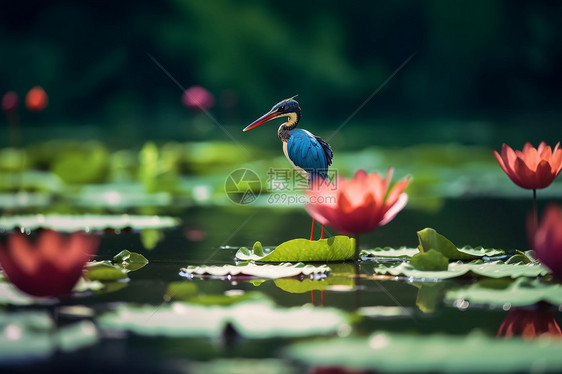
532,168
548,240
49,266
358,205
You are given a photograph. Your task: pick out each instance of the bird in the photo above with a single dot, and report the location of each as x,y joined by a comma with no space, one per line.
310,155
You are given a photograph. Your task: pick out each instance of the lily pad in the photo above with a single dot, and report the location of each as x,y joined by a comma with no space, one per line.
283,270
496,269
130,260
385,352
406,253
251,319
500,292
336,248
340,277
430,261
188,291
104,271
30,336
71,223
431,239
402,252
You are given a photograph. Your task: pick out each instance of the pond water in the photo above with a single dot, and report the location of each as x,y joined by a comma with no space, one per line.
211,236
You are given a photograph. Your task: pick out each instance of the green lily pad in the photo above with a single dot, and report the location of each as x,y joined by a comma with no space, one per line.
188,291
88,222
251,319
499,292
104,271
336,248
339,278
431,239
496,269
385,352
430,261
479,251
130,260
402,252
430,294
283,270
29,336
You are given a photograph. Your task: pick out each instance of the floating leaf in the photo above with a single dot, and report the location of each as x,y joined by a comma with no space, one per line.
71,223
430,261
181,291
481,252
251,319
130,260
283,270
340,276
336,248
496,269
104,271
257,249
402,252
430,294
385,352
500,292
28,336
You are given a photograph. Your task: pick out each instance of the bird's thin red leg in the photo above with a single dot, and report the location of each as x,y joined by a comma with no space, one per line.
312,296
322,234
312,230
322,294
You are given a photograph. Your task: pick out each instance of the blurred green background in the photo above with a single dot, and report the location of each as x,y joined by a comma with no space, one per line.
484,72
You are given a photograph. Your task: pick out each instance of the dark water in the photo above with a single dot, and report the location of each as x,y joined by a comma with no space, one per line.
487,222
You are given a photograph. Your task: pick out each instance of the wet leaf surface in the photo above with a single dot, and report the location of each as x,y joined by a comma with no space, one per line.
251,319
336,248
283,270
502,292
495,269
431,353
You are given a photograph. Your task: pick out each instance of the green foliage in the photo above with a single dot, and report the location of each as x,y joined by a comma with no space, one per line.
431,260
86,222
389,252
387,352
32,335
158,170
499,292
105,271
253,319
283,270
431,239
130,260
81,163
336,248
496,269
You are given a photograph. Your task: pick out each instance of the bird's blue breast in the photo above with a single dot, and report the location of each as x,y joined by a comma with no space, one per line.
309,152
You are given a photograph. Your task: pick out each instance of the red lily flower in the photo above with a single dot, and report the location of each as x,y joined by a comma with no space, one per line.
529,324
532,168
36,99
359,205
49,267
198,98
548,240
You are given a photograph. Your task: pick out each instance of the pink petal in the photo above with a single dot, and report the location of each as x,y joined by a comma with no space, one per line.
396,191
394,209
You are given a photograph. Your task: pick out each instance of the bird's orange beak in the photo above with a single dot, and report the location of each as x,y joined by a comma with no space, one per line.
260,121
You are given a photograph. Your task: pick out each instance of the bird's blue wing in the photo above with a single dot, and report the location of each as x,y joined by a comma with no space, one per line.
309,152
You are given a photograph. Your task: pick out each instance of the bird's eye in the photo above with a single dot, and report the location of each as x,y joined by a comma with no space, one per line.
281,108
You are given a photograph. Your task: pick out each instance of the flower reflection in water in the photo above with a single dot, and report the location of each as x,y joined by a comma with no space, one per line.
51,265
529,324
